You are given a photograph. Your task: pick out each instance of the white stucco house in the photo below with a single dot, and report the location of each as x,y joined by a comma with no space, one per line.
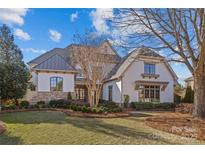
143,74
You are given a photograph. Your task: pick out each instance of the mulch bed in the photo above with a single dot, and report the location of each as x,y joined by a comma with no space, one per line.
181,124
93,115
184,108
74,113
2,127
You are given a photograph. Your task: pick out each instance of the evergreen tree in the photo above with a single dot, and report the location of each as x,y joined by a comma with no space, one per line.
189,95
14,74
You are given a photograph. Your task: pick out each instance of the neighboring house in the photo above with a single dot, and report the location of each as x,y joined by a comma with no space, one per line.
143,75
189,82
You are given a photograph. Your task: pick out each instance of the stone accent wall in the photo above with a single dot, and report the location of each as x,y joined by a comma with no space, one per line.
47,96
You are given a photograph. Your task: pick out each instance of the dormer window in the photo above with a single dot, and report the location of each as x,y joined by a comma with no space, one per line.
149,68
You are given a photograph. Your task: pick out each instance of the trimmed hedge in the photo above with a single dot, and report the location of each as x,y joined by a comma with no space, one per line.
150,105
104,107
59,104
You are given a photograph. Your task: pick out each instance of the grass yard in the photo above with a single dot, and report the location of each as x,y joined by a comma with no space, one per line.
56,128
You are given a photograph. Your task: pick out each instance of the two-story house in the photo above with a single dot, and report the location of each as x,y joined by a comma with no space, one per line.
143,74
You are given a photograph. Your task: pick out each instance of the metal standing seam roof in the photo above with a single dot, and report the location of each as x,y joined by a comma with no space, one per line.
43,62
55,62
65,53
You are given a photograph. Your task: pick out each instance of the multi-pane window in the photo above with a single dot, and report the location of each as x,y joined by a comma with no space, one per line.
110,93
149,68
152,93
56,83
80,93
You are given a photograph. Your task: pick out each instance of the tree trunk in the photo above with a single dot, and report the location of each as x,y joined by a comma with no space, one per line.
199,96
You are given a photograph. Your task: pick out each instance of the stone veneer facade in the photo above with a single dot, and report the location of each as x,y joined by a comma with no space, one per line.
47,96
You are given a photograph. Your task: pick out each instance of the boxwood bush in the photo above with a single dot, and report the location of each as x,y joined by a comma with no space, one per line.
110,107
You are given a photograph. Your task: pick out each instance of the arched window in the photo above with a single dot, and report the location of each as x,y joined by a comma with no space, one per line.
56,83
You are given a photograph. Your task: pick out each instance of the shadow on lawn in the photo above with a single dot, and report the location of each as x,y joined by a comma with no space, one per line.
6,139
141,114
89,124
98,126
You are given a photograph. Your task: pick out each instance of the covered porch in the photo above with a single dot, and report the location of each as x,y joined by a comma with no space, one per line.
150,91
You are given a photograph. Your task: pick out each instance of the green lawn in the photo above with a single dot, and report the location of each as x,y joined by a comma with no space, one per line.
57,128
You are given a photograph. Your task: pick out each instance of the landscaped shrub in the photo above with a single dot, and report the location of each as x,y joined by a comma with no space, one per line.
8,105
150,105
177,99
59,104
94,110
100,110
141,106
189,95
126,100
40,104
166,105
74,107
109,107
24,105
84,109
79,108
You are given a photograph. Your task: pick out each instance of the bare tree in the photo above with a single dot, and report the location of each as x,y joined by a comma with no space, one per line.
89,54
179,32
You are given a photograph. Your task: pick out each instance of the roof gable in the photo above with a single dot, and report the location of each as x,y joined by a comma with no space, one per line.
120,68
55,62
65,53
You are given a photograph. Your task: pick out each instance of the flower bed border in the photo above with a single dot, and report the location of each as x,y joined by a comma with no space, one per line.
74,113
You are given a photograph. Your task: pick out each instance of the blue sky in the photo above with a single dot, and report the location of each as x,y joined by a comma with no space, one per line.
39,30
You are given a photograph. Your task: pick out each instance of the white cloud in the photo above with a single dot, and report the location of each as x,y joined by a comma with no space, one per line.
73,16
55,35
33,50
22,35
12,16
99,17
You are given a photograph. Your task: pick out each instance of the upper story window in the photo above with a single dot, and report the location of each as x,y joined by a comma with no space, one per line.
149,68
56,83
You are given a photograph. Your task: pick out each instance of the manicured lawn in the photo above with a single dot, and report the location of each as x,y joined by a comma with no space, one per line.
57,128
